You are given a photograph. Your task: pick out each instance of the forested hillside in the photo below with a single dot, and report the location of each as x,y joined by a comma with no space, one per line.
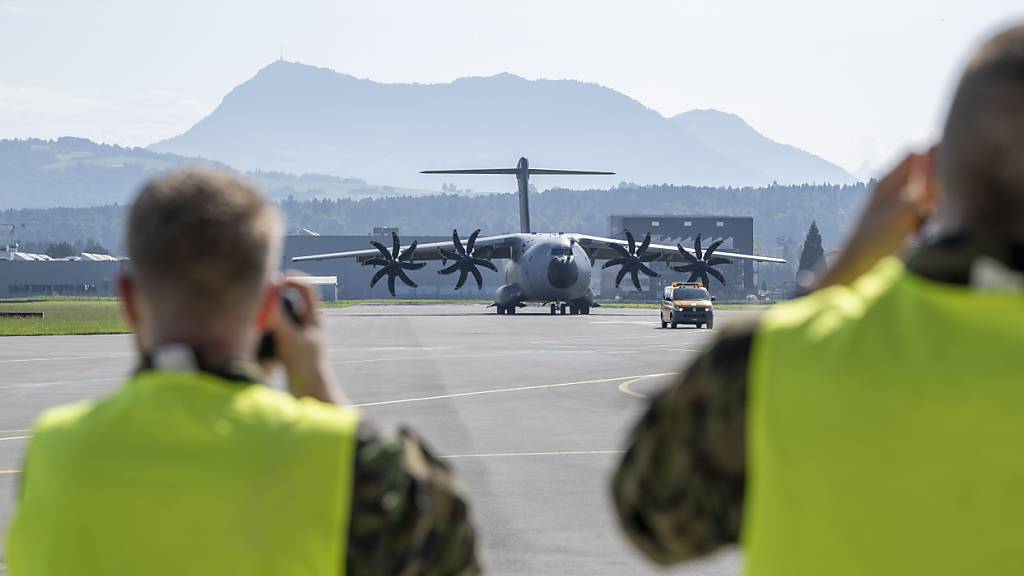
779,212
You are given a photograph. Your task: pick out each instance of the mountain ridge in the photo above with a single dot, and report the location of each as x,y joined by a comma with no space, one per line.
299,118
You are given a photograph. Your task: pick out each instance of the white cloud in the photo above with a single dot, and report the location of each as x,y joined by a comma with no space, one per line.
126,119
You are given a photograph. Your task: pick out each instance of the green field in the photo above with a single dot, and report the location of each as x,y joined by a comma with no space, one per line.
63,317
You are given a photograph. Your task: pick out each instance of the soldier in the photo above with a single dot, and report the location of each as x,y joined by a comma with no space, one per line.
870,427
194,466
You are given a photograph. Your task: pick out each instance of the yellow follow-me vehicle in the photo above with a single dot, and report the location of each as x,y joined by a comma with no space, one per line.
687,303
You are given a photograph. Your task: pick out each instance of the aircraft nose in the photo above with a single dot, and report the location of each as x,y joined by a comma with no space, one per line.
562,272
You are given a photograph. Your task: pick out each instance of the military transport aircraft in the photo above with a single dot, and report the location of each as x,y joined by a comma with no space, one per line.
551,268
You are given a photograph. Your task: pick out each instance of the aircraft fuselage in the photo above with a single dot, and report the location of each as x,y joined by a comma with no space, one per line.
546,268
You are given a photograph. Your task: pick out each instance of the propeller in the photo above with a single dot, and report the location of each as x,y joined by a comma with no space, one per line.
394,264
466,259
702,265
632,261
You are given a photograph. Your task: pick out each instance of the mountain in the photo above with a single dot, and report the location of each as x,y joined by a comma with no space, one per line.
75,172
298,118
730,135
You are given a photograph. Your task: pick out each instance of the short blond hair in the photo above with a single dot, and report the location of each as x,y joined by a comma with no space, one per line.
203,243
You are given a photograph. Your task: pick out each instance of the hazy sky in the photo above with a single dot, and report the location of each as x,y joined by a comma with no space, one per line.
851,81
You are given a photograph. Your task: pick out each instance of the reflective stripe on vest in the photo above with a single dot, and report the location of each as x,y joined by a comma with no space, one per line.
186,473
885,425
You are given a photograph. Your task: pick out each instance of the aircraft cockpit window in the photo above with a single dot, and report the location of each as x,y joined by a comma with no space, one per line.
561,251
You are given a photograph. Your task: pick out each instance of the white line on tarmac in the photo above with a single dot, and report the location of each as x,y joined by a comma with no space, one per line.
62,383
5,472
15,430
512,454
516,389
14,438
55,358
625,386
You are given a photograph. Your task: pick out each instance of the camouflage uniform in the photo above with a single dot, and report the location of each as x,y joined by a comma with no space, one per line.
679,488
408,514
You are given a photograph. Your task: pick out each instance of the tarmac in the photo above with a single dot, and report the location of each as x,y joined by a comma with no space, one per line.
531,410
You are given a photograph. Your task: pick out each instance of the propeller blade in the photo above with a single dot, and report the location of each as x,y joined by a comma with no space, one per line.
380,247
395,245
449,269
620,276
458,243
644,245
476,276
405,278
636,280
391,284
615,262
462,279
704,279
711,249
694,276
686,255
643,268
632,242
472,241
620,250
411,265
696,247
485,263
376,277
718,275
687,268
408,252
715,261
375,262
448,254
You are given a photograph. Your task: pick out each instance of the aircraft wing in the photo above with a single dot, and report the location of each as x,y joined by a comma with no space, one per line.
599,248
487,247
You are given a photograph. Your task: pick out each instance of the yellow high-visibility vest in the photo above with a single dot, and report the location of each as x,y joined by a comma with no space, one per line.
186,473
885,428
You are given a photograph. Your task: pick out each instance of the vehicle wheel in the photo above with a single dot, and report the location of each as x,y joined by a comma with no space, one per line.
584,309
564,309
699,325
674,325
574,309
711,323
664,324
501,310
511,309
554,309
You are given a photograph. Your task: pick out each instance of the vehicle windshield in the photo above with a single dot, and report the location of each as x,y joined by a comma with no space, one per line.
690,294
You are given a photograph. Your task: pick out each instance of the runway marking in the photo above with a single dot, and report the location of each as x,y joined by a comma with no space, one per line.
62,382
516,389
644,322
14,438
625,386
54,358
514,454
15,430
6,472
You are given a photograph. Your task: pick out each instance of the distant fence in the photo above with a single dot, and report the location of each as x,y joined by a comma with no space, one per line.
21,314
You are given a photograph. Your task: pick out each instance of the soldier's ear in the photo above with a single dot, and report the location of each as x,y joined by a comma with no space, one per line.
128,294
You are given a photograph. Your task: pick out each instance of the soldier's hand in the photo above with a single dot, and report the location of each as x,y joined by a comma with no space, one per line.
899,205
302,347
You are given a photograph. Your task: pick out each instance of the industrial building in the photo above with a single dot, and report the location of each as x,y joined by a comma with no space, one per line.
23,274
736,231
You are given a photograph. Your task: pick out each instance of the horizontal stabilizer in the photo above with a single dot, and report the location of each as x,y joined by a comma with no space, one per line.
544,171
479,171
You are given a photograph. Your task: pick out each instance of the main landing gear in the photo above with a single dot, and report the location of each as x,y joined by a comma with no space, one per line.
572,307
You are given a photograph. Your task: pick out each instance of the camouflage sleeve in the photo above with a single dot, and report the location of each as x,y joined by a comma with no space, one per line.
679,488
408,514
